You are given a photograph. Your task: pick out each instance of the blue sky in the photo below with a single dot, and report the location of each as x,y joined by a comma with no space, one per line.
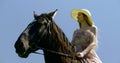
15,15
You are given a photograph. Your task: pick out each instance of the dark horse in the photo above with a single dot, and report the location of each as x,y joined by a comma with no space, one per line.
43,33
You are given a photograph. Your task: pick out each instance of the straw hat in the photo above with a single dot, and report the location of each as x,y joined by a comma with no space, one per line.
75,12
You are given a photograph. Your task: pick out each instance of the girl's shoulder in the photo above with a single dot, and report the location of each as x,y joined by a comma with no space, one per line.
93,29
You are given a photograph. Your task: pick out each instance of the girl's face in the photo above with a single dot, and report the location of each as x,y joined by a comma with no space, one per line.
80,17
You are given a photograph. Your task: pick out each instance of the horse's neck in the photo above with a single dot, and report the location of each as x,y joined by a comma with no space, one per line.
61,40
53,56
59,44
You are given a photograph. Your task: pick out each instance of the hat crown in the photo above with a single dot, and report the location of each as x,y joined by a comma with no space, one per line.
85,11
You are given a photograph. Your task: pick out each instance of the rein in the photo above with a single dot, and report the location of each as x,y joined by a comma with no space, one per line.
58,53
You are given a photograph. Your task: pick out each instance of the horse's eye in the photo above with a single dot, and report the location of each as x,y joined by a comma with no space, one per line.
34,28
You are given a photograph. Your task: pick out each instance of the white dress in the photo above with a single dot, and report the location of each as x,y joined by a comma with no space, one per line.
82,39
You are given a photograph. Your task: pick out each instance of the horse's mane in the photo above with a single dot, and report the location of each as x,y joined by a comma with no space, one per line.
58,37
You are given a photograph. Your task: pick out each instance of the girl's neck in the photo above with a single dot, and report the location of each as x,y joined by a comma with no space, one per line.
84,25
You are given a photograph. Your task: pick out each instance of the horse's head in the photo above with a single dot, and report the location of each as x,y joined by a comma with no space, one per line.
36,32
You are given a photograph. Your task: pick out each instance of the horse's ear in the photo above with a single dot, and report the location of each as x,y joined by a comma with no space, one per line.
52,14
35,15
